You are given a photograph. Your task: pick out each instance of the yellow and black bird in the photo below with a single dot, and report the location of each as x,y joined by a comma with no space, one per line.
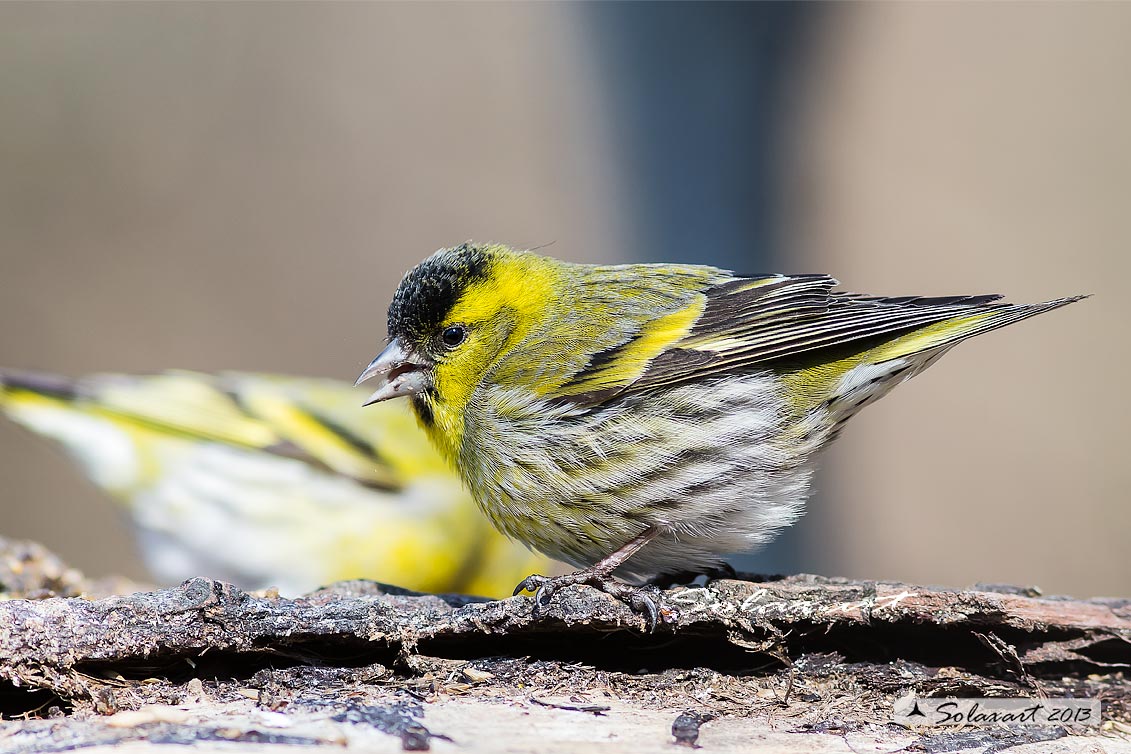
267,480
647,419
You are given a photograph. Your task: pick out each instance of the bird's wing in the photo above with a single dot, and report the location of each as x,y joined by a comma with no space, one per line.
747,322
314,421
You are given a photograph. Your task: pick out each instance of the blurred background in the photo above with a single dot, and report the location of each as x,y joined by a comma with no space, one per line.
241,186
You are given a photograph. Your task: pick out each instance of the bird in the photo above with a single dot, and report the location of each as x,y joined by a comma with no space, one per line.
642,420
271,481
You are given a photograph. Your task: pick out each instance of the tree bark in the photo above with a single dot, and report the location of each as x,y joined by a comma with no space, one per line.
824,655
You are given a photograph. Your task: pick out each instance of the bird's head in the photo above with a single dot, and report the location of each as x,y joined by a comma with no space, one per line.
450,320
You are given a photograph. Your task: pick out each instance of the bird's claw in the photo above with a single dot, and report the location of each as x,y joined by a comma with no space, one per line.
642,599
542,586
544,593
529,584
644,603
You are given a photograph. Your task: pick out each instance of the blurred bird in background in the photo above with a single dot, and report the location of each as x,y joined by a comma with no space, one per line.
265,480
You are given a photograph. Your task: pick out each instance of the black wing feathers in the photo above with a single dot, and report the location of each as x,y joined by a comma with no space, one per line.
749,322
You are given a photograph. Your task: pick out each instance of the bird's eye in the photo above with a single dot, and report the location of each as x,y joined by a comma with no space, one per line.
453,336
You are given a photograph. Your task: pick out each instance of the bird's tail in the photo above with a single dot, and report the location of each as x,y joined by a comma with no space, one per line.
949,332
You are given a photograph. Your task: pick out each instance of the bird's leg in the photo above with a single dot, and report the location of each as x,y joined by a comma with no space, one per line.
599,575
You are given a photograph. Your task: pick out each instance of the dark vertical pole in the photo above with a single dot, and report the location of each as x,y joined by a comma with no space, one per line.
698,96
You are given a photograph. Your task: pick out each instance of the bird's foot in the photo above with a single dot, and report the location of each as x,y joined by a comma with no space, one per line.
645,600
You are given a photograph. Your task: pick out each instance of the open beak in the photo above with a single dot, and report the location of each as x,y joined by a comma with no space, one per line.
400,370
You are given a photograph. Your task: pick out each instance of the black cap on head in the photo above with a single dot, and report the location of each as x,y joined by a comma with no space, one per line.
430,290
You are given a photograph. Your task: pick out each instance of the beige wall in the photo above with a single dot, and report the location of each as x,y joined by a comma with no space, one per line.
241,186
965,148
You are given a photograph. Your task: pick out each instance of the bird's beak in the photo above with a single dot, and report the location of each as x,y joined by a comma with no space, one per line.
401,371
